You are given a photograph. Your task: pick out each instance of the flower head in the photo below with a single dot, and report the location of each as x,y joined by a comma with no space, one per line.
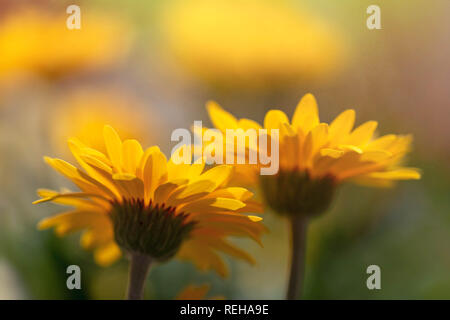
316,157
82,113
36,41
254,43
139,202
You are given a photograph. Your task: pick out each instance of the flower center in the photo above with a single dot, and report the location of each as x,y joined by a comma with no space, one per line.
154,230
296,193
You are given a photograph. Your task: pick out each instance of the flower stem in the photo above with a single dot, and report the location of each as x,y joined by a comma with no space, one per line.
139,268
298,233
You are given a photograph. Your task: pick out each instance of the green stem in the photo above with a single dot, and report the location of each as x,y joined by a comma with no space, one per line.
298,233
139,268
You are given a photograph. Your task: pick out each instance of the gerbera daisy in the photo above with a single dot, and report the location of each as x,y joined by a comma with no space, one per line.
137,202
315,158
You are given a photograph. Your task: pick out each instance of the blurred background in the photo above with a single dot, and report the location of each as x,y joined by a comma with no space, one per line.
148,67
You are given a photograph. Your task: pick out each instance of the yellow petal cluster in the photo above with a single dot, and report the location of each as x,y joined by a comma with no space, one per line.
127,172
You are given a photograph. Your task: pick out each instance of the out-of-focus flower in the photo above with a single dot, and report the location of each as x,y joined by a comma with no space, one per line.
39,42
83,113
141,203
193,292
251,42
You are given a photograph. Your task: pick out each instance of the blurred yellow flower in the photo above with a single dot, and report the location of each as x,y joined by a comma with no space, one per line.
137,201
251,42
315,157
84,112
193,292
37,41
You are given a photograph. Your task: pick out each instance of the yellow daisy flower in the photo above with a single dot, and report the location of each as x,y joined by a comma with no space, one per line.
82,114
37,41
153,209
315,158
255,43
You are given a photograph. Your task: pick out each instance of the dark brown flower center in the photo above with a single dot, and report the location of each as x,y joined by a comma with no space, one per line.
154,230
296,193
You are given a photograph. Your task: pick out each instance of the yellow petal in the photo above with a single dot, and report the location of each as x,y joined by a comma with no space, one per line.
234,225
78,148
163,191
349,147
225,247
208,205
107,254
398,174
275,119
89,158
73,221
203,257
255,218
220,118
177,170
248,124
60,198
131,155
341,126
113,147
362,134
143,161
232,192
306,115
196,169
229,204
331,153
95,162
104,177
96,236
382,143
375,156
315,140
252,206
155,173
130,185
83,181
219,175
401,145
211,205
69,198
190,192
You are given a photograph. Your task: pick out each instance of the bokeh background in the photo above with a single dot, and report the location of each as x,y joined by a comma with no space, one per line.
148,67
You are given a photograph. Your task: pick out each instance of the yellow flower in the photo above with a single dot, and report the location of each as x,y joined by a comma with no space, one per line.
315,157
83,113
252,42
34,41
193,292
137,201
